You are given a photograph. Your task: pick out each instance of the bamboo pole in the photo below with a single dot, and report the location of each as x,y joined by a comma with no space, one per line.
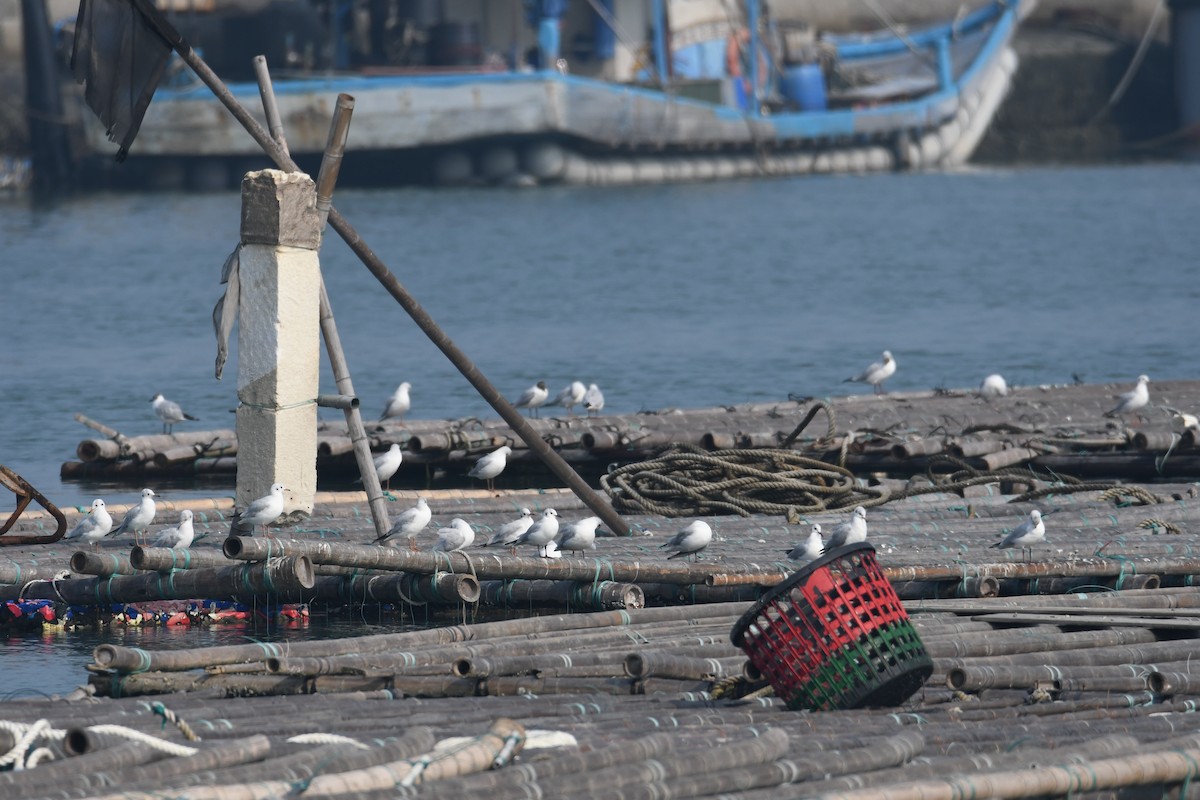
102,565
1047,781
128,659
169,559
285,579
443,588
632,750
14,575
577,595
643,664
490,566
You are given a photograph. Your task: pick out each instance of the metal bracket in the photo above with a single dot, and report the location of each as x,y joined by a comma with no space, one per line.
25,493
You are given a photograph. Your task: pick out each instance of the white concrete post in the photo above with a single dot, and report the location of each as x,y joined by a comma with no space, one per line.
278,339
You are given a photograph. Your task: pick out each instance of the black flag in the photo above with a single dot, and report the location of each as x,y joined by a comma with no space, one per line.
120,52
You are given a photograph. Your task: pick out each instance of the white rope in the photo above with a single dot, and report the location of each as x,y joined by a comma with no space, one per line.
37,756
326,738
25,734
170,748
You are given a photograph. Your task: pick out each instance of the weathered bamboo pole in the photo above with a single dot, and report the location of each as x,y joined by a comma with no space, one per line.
1140,653
491,566
102,565
304,765
565,643
974,678
110,449
128,659
144,683
283,579
1043,639
530,663
1168,682
14,575
708,762
935,766
209,756
442,588
627,751
577,595
1050,781
169,559
643,664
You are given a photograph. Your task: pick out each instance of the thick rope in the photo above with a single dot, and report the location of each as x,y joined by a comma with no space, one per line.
169,716
326,738
685,480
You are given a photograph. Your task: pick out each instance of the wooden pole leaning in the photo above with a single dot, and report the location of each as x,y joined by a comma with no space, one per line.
326,179
553,461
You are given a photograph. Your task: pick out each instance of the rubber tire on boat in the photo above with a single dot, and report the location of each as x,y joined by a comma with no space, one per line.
452,168
497,162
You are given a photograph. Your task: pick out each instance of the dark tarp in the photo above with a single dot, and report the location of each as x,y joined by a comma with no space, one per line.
119,55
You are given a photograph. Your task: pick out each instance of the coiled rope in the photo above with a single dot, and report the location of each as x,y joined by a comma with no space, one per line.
686,480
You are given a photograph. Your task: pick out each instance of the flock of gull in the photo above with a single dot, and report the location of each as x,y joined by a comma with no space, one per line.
551,536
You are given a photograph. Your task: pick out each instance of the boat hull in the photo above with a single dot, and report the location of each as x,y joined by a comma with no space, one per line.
526,128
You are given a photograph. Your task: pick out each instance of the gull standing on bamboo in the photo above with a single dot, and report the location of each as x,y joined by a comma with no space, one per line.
94,527
851,531
533,398
182,535
139,517
1030,532
398,404
459,535
262,511
387,463
689,541
169,412
593,400
410,522
993,386
578,536
1132,400
541,532
491,465
810,548
877,373
571,396
508,533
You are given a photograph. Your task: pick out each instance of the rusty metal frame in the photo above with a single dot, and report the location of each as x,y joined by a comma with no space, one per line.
25,493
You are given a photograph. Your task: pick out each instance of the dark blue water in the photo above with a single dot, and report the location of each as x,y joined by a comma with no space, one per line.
691,296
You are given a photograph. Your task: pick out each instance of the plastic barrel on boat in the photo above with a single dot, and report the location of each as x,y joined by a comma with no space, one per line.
804,85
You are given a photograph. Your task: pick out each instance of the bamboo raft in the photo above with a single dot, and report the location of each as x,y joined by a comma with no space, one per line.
1067,672
613,674
1059,428
633,704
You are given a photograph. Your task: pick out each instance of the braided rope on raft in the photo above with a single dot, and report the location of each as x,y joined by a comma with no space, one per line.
686,480
22,758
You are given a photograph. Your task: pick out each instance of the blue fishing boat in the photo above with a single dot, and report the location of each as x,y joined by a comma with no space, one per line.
527,92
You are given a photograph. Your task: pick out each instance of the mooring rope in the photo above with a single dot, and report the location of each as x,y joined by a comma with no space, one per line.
170,716
686,480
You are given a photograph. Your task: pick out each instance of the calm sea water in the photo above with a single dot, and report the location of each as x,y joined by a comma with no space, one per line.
691,296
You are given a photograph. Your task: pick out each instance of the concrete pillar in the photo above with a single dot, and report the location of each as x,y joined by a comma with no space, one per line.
278,339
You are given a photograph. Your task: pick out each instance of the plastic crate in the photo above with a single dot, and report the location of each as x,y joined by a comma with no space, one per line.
834,635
